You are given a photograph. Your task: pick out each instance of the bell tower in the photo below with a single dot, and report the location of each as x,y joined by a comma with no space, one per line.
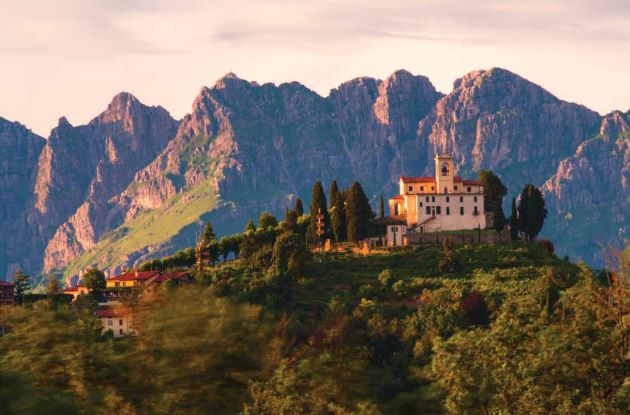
444,173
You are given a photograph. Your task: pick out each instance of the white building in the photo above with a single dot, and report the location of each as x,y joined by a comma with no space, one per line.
444,202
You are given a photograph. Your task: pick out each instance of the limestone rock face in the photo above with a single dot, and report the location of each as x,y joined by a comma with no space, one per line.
257,147
82,167
497,120
589,195
19,151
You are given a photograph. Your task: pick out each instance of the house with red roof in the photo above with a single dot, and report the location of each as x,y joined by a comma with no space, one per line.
443,202
133,278
115,319
76,291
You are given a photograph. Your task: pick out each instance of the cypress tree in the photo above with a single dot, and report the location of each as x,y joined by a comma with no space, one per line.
531,211
514,222
493,188
318,204
498,217
358,213
382,207
299,207
338,219
208,234
333,193
21,285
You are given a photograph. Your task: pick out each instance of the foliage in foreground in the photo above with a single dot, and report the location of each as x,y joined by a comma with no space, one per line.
476,329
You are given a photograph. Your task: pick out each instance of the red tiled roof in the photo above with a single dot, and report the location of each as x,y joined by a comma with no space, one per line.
5,284
472,182
398,197
111,312
73,289
423,179
134,276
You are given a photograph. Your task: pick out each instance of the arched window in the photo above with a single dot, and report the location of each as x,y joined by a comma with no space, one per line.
444,169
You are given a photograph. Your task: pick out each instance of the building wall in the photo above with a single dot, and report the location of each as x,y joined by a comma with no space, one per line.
396,234
446,211
116,327
112,283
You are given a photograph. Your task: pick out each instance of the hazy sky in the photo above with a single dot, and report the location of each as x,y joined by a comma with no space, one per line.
70,57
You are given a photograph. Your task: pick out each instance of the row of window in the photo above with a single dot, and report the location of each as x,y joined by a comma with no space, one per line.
437,210
110,322
448,199
455,188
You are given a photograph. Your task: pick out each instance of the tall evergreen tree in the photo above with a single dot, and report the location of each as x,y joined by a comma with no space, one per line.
498,217
21,285
318,204
514,222
299,207
358,213
493,188
382,207
531,211
333,193
208,234
338,219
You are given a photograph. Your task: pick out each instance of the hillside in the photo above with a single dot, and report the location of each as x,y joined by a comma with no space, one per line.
387,333
258,147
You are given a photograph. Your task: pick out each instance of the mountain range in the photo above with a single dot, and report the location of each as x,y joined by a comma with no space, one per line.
134,183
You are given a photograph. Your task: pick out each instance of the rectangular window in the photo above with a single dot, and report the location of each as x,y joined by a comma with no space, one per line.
120,331
428,210
461,199
420,204
468,189
446,190
475,198
432,188
455,187
448,199
475,212
120,322
427,198
432,198
411,188
117,284
448,210
438,210
461,211
422,188
110,323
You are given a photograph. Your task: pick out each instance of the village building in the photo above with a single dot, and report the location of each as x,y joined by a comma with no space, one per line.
6,294
115,319
133,278
75,292
442,203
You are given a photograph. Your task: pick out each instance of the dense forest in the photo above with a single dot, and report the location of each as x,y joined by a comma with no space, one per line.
473,329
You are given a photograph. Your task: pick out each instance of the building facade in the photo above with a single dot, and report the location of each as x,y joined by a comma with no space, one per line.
445,202
6,293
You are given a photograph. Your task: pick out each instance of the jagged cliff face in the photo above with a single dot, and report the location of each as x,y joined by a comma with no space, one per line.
19,151
589,195
497,120
81,168
134,183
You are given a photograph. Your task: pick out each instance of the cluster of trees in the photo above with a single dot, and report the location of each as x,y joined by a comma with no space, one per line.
528,211
507,328
346,218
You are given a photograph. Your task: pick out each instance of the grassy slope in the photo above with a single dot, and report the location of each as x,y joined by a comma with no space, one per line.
154,227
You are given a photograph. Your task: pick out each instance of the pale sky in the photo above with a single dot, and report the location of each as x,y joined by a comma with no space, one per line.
70,57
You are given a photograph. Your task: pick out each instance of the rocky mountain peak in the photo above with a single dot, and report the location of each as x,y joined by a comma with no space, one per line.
614,123
63,122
